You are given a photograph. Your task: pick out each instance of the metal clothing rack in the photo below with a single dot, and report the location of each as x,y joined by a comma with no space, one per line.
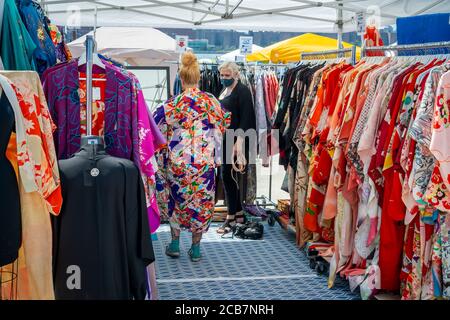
339,52
406,47
89,64
262,200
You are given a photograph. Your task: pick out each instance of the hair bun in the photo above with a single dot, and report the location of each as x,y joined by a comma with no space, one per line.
188,59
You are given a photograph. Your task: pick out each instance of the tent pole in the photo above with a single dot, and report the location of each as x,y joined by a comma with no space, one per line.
340,23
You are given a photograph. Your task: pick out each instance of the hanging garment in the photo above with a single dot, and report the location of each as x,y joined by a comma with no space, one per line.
210,81
10,226
104,199
17,47
129,132
39,185
439,189
177,85
36,23
62,50
186,175
364,141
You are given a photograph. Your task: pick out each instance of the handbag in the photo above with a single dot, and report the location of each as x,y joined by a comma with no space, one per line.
249,230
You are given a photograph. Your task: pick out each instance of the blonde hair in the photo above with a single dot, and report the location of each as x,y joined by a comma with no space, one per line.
230,65
189,70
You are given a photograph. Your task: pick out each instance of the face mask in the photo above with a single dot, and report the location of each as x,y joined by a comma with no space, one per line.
227,82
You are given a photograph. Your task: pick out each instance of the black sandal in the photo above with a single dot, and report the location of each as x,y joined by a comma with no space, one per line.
228,225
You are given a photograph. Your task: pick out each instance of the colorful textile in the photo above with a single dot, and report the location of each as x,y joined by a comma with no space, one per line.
39,184
192,123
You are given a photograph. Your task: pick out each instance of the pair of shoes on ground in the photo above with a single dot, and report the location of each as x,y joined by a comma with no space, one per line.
230,223
173,250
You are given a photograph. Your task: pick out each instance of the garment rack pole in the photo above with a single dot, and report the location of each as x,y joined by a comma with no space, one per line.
89,64
239,64
352,51
419,46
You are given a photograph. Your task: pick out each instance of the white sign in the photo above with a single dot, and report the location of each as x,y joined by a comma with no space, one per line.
360,22
245,45
239,58
182,43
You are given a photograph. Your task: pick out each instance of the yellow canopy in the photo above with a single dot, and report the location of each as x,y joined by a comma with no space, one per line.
289,50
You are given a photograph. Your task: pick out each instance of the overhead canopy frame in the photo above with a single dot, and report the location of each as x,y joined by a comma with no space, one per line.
257,15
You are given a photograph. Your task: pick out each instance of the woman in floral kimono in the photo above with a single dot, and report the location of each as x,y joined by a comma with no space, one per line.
192,122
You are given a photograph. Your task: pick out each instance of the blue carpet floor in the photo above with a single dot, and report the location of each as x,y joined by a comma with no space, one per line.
233,269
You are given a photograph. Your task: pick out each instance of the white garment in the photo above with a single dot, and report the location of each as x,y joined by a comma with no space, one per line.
261,122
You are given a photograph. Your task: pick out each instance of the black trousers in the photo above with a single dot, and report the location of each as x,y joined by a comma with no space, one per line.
234,183
231,188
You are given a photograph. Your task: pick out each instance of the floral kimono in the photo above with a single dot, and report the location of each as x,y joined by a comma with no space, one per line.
39,184
186,175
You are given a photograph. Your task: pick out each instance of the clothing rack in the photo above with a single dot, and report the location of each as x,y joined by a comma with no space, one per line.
242,64
340,52
406,47
89,64
262,200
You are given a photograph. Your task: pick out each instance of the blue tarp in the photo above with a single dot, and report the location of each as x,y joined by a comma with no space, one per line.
423,29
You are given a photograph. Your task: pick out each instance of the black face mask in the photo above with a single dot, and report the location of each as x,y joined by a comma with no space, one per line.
227,82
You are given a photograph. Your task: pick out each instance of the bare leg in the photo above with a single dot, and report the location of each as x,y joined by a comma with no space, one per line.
173,249
196,237
195,248
175,233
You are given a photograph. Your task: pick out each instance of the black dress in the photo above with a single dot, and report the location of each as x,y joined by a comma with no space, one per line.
103,228
10,218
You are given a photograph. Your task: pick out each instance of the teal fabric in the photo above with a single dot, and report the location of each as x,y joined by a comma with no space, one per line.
17,47
173,247
195,252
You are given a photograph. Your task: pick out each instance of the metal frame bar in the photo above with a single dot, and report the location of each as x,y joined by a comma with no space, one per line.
183,7
352,50
280,13
258,12
236,6
111,7
421,46
210,9
334,5
146,13
340,22
425,9
229,13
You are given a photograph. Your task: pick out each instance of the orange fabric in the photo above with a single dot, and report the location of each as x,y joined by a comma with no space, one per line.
11,153
33,156
98,105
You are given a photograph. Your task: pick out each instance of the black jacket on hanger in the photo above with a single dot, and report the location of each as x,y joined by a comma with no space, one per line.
103,228
10,215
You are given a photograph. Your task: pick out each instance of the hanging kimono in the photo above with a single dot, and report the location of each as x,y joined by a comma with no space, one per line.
17,47
119,115
36,23
39,184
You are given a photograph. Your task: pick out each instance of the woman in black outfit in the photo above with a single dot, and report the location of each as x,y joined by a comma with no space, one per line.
236,98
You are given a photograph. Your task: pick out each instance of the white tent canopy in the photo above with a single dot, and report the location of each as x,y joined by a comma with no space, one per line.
264,15
135,46
231,56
